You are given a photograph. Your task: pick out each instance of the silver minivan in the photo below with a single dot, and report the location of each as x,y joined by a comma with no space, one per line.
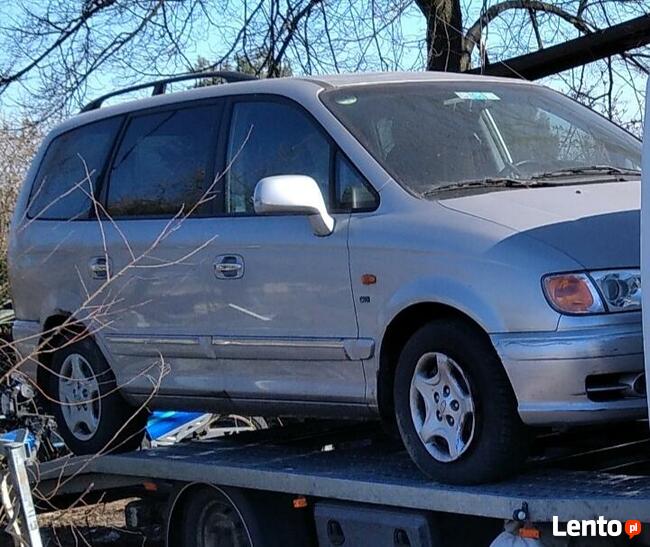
456,255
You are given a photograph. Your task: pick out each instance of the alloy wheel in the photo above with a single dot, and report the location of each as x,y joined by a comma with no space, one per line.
442,406
79,397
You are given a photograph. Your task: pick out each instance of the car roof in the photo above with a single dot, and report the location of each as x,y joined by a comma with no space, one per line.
370,78
283,86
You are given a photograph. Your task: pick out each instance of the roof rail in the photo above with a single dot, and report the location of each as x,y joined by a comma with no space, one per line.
159,86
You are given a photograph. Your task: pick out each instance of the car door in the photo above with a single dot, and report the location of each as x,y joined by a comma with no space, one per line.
158,225
285,327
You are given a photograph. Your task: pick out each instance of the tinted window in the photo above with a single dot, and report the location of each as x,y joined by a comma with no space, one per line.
352,191
69,171
161,166
269,138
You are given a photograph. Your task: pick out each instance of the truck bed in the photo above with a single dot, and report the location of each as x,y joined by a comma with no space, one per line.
574,476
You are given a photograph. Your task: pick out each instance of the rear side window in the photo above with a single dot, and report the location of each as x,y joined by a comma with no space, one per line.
69,171
161,167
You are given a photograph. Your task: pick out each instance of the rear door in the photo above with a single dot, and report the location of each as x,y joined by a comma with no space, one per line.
160,230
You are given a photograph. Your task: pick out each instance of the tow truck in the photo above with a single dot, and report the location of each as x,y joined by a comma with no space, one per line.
331,484
315,483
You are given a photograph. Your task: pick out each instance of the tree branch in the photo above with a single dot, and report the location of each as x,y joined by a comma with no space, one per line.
473,34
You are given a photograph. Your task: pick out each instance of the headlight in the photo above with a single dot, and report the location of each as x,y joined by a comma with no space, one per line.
594,292
620,289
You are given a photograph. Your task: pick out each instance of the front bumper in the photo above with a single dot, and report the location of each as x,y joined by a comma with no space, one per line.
548,372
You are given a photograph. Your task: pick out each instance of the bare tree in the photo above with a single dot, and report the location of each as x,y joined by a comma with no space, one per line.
614,86
444,36
18,144
56,53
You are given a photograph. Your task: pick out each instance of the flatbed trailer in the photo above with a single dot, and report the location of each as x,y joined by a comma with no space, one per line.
350,484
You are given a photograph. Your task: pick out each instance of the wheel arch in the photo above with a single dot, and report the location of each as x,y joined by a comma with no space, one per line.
173,529
55,327
269,517
398,331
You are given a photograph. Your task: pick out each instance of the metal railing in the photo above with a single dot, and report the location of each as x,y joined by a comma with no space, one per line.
160,86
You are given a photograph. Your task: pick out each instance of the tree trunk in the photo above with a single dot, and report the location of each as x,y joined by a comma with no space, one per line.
444,34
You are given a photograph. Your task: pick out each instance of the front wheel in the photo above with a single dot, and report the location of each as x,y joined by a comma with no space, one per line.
455,409
91,415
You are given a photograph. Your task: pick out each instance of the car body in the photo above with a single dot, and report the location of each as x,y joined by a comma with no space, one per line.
257,313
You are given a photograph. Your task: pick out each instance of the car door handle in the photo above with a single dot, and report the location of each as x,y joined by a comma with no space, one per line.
229,267
99,267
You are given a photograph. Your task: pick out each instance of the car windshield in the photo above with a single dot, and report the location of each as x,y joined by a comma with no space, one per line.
437,134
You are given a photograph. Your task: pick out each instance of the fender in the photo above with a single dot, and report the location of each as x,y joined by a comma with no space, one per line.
61,302
67,303
443,290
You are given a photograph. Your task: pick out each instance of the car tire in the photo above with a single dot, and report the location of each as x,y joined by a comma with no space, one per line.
233,517
91,415
455,408
213,517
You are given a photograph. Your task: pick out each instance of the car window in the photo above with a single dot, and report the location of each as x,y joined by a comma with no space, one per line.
430,135
272,138
352,191
554,138
67,176
161,167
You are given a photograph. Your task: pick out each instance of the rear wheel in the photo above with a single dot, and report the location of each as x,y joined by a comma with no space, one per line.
212,518
90,413
455,408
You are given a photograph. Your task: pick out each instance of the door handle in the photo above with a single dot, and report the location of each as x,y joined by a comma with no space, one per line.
229,267
99,267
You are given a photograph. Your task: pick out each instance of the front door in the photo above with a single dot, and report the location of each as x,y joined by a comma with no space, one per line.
286,325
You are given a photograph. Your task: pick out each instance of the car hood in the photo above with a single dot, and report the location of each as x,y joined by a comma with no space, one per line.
598,224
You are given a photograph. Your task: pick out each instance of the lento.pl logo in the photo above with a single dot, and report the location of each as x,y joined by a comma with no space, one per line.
601,527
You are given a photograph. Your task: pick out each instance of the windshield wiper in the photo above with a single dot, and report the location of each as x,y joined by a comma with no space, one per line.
588,170
501,182
534,181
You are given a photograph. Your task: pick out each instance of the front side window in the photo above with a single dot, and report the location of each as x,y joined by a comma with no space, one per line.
352,191
162,165
272,138
437,134
67,176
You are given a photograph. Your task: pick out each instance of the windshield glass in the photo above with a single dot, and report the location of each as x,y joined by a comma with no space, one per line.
432,135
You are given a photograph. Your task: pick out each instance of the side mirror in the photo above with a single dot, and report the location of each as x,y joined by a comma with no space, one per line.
294,194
